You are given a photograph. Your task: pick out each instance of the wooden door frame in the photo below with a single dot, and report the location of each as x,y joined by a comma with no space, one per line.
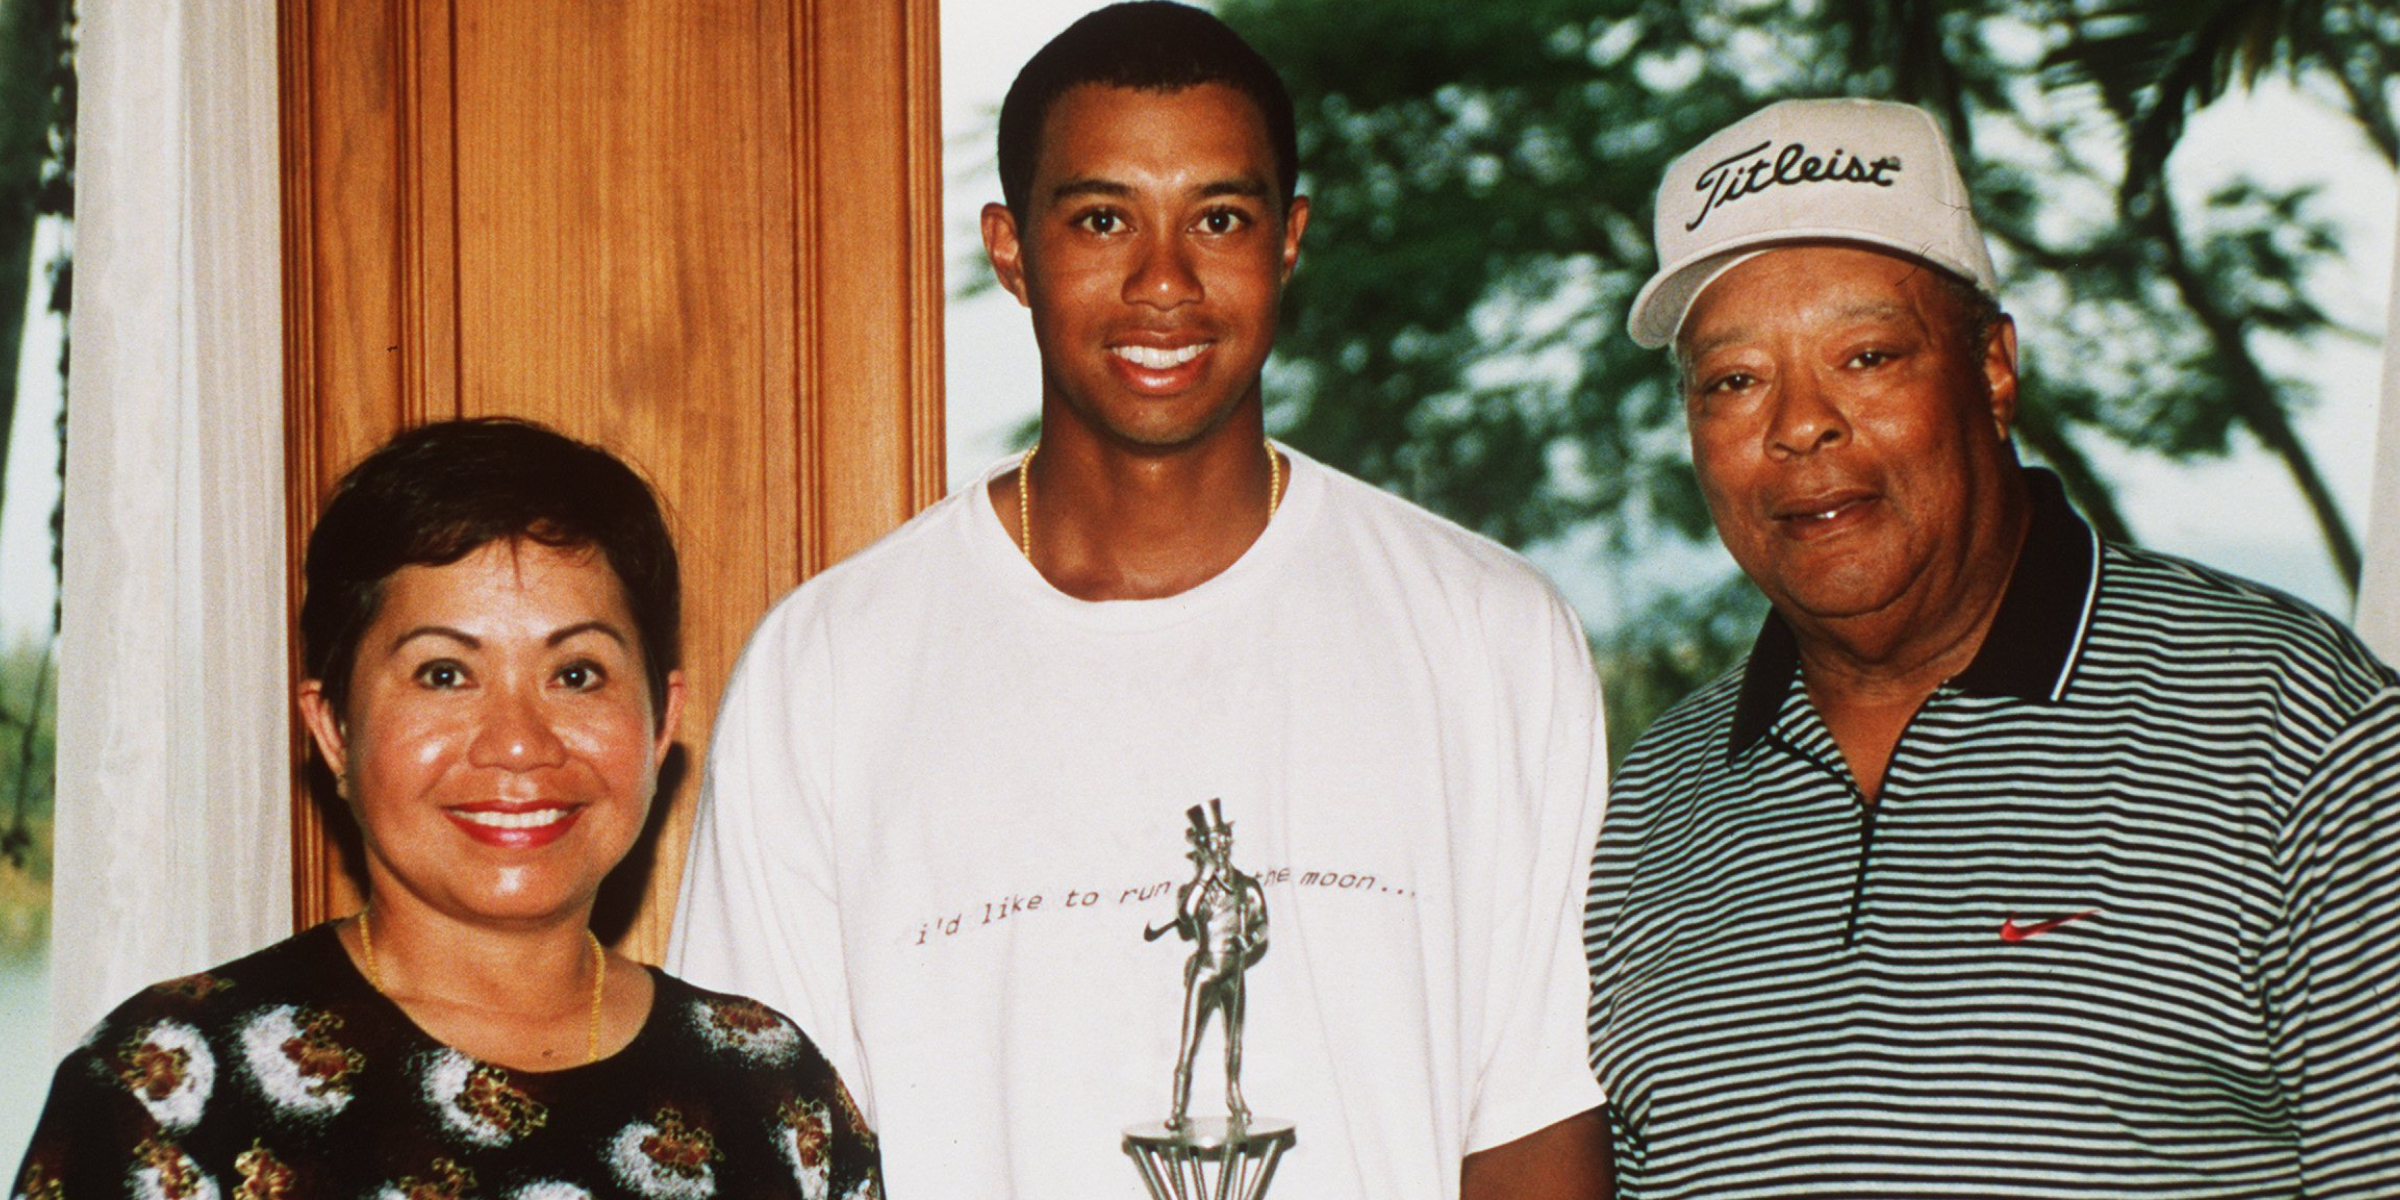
370,277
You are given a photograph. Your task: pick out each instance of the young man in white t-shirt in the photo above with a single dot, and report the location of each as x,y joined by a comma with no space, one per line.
961,775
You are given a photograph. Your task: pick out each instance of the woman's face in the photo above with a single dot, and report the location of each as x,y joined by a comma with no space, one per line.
500,745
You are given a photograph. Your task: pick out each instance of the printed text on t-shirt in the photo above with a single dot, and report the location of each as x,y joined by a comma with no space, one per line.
1010,905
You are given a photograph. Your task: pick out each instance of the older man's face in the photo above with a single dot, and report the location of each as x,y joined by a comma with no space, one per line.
1850,437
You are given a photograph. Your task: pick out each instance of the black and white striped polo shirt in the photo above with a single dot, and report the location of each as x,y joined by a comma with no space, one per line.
2124,921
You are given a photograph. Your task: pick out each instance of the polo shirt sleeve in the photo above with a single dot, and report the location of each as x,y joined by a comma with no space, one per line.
2333,963
1535,1070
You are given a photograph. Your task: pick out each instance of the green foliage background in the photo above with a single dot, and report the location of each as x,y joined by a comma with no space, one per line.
25,877
37,181
1482,178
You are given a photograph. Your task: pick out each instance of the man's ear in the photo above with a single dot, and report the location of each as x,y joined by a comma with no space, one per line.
1007,252
2000,372
325,729
1295,219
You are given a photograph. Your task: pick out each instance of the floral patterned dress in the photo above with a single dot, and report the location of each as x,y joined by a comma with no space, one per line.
285,1074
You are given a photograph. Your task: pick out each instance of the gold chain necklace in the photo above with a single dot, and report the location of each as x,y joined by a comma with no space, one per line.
1025,494
591,1033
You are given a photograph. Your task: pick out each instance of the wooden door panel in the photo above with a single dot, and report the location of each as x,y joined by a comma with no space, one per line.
702,233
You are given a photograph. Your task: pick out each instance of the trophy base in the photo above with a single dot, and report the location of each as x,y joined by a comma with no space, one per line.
1209,1159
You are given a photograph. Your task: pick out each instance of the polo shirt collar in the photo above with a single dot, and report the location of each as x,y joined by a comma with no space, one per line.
2030,651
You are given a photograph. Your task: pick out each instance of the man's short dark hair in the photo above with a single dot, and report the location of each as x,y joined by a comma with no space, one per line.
1148,46
1977,311
437,493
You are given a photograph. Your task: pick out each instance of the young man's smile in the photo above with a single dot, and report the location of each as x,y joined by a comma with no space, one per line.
1152,252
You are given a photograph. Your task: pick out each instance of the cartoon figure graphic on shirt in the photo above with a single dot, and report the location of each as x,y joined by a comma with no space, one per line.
1223,913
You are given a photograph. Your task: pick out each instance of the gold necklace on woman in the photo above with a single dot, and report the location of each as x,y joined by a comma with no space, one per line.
1025,494
591,1033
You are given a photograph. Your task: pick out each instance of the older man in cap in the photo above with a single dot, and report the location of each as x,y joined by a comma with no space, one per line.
2012,862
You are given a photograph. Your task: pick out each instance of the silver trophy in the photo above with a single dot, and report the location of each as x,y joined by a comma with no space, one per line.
1223,913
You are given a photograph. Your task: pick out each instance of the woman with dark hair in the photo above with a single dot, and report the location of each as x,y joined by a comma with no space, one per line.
490,641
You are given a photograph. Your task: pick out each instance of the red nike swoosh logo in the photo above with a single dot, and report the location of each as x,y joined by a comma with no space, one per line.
2010,931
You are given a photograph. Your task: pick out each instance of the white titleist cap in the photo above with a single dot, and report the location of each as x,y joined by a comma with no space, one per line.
1866,171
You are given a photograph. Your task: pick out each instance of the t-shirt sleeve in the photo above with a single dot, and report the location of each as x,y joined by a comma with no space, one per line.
1535,1070
758,914
2333,960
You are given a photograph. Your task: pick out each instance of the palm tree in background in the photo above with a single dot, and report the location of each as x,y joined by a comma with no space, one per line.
2155,64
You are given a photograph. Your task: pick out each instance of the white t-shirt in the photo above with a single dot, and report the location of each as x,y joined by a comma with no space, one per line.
945,800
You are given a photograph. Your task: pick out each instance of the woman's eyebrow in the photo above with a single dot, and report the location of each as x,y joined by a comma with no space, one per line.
600,627
460,636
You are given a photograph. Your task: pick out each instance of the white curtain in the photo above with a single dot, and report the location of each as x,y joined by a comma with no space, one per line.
2378,618
173,843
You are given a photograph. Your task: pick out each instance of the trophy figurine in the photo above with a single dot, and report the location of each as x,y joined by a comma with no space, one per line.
1223,913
